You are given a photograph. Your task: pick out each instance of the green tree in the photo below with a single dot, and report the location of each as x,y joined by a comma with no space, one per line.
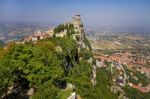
85,53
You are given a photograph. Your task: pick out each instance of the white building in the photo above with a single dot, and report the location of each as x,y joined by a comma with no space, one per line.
62,33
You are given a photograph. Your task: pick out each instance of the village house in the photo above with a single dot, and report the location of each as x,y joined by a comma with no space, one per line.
50,32
142,89
39,35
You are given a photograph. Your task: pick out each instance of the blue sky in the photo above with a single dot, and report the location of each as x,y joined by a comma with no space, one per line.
94,12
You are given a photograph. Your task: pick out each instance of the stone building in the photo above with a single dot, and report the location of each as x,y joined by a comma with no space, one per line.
50,32
78,25
61,34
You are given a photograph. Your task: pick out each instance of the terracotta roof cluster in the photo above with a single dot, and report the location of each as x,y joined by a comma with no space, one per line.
142,89
128,59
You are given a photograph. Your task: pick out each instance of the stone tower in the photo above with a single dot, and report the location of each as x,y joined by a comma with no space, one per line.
78,25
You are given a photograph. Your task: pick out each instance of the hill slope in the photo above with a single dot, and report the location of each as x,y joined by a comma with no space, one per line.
53,68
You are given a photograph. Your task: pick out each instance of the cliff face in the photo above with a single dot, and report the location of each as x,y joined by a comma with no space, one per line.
83,43
75,30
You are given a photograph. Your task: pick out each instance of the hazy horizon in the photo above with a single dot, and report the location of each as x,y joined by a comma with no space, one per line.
113,13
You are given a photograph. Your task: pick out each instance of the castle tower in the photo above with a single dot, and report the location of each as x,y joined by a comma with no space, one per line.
78,25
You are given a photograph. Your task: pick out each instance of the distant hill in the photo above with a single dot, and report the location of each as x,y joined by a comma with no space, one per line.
121,41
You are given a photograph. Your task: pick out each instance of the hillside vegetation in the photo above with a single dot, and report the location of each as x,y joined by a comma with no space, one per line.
45,69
